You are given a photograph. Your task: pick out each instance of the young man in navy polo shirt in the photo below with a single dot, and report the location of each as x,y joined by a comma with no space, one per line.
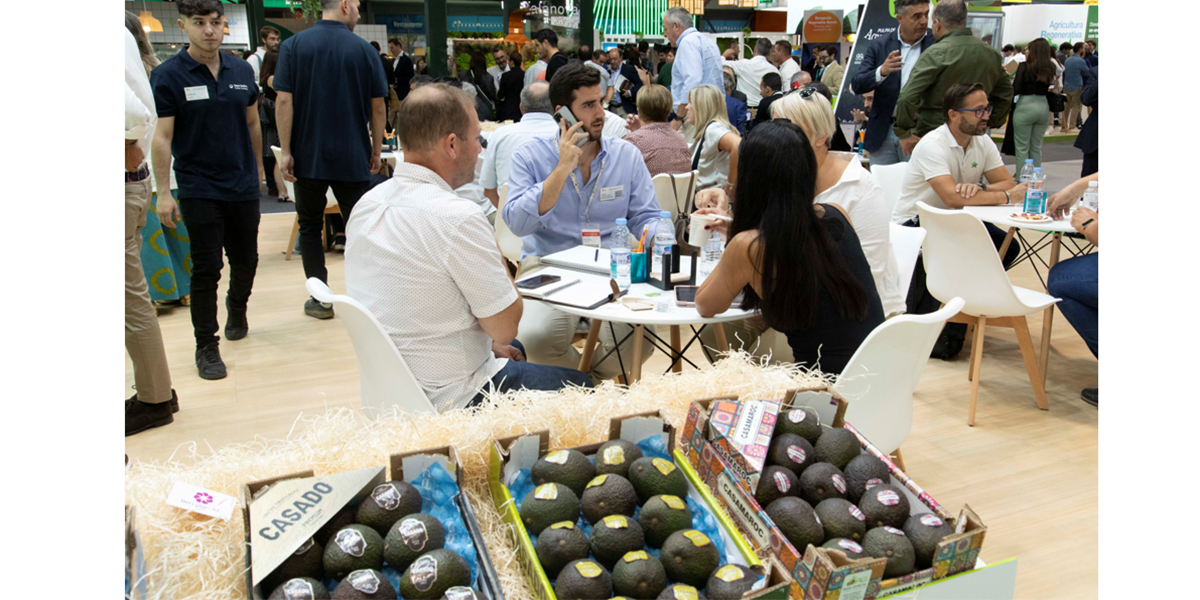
331,88
207,103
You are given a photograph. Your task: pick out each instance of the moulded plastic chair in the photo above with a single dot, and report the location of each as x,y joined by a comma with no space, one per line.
960,260
331,207
675,196
384,377
879,380
891,179
509,242
906,247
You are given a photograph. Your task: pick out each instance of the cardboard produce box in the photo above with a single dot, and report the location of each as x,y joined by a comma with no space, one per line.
298,504
135,559
820,573
511,454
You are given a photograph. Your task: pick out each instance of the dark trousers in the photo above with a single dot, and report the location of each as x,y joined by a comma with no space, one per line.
1077,282
1091,163
921,302
269,169
310,209
528,376
214,225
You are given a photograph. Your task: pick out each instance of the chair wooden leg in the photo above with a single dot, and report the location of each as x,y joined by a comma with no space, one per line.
287,254
1031,364
1048,315
977,363
635,370
675,345
722,343
899,460
589,346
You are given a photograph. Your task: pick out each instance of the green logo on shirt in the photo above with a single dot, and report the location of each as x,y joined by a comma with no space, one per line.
974,165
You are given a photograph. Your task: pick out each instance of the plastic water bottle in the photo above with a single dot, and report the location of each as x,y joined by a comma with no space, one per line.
1027,171
621,256
1091,198
664,238
1035,194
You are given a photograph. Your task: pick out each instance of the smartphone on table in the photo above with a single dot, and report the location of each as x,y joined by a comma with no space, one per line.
685,295
564,115
537,281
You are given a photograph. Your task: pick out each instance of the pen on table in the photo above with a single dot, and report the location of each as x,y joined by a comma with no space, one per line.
597,257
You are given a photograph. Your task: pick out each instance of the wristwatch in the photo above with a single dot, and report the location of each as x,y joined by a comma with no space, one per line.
1007,198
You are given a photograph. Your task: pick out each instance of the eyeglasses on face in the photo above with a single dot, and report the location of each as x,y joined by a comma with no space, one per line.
980,113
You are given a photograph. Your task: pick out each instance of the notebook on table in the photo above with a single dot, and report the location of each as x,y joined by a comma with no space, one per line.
574,292
581,258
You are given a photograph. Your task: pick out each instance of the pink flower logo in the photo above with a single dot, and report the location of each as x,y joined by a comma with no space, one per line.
203,498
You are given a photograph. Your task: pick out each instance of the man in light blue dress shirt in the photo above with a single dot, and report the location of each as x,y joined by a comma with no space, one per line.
697,58
556,190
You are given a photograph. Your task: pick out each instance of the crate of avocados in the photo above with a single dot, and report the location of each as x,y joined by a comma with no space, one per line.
355,535
625,517
839,515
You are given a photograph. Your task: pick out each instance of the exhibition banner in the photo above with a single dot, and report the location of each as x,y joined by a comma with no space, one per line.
878,20
1093,25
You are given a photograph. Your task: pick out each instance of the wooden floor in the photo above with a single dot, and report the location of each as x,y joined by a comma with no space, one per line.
1031,475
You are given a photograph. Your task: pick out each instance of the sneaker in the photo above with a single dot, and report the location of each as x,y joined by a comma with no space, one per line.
235,324
173,402
947,346
318,310
339,242
140,416
209,363
1091,396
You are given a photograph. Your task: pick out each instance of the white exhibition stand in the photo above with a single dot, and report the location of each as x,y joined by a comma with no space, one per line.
997,581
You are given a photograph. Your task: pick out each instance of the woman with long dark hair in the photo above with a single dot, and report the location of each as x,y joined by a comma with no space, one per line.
1032,85
485,87
799,263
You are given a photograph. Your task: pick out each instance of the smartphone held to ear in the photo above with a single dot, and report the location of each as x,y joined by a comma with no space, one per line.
564,115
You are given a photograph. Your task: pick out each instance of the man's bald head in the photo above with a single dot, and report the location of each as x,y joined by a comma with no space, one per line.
431,113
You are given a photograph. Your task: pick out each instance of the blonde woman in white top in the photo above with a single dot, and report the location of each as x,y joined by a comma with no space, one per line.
712,137
842,180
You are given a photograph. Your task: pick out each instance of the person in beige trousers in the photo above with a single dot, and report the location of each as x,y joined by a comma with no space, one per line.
154,401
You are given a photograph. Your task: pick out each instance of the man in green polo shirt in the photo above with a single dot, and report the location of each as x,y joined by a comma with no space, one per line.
957,57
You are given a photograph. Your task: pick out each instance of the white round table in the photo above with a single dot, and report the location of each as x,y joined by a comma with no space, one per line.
1001,216
613,312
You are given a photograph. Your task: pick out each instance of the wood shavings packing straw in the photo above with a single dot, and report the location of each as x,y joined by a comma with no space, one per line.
192,557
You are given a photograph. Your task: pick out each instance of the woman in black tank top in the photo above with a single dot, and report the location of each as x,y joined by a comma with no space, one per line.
800,264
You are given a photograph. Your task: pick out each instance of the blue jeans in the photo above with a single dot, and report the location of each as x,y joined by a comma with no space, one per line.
1077,282
524,375
889,153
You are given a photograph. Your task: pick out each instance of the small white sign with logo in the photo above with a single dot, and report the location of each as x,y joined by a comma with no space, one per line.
200,500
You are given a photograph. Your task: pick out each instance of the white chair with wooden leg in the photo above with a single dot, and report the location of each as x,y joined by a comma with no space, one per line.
960,260
331,208
675,192
906,247
509,242
879,380
890,178
384,378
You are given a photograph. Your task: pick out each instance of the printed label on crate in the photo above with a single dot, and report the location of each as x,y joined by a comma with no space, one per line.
298,589
664,466
351,542
304,547
698,539
872,482
636,555
588,569
459,592
888,498
558,457
202,501
747,516
546,491
614,455
673,501
850,545
796,416
749,422
365,581
855,586
892,530
412,531
781,482
857,514
839,482
424,573
597,480
796,453
685,592
931,521
563,525
615,522
386,496
728,573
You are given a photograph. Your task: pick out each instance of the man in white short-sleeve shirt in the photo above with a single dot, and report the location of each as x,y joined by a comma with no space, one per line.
750,72
424,262
946,171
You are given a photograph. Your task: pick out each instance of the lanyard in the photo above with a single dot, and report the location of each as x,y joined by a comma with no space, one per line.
574,182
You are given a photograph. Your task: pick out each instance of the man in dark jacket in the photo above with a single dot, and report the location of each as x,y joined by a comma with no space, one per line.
1089,135
402,68
885,68
957,57
771,90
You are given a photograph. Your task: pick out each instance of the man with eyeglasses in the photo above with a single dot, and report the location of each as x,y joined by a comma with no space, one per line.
946,171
